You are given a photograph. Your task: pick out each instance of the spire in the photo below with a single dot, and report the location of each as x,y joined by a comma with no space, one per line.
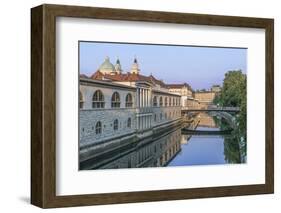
118,61
135,67
118,68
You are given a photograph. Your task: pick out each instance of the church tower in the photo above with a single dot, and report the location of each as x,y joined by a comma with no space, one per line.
118,68
135,67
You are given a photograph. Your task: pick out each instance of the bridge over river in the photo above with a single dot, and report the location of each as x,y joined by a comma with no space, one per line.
219,112
211,109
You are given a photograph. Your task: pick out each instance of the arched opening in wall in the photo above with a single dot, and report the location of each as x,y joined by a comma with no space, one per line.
98,100
129,123
129,100
115,100
166,101
98,128
155,101
81,100
161,101
115,124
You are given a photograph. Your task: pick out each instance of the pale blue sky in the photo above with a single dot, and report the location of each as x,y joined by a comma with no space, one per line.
201,67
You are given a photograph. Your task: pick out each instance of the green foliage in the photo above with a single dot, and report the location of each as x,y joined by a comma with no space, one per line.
234,93
234,88
217,100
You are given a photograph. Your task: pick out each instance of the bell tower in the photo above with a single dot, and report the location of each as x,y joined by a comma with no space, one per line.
135,67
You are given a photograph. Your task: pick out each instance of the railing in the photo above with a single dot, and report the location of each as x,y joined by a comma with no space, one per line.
211,108
223,108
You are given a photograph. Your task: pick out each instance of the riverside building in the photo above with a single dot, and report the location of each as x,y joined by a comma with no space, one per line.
119,110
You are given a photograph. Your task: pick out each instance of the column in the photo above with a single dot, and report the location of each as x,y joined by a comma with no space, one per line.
142,97
145,99
150,97
141,101
138,98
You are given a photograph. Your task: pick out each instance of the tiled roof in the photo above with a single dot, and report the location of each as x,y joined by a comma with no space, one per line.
131,77
83,76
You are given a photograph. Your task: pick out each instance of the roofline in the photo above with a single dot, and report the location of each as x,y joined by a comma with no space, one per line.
165,93
204,92
104,83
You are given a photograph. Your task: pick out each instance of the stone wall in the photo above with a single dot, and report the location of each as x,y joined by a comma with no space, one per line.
89,118
168,114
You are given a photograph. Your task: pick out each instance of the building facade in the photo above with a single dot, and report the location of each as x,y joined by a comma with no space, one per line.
205,98
188,100
117,107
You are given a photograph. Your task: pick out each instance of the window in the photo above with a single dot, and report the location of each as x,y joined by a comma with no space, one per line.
170,102
129,100
115,124
165,115
155,101
155,117
160,116
98,100
129,123
98,128
161,101
81,102
166,101
115,100
173,101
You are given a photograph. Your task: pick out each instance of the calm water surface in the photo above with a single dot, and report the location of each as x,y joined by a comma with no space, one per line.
207,149
203,144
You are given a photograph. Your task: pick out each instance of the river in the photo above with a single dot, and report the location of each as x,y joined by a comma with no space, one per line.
208,149
207,144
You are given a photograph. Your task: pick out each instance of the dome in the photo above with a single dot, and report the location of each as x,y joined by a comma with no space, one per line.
106,66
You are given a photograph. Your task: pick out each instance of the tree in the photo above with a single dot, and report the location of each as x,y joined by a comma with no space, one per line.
234,93
234,88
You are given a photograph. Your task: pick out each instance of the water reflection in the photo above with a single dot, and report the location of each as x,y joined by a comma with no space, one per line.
208,149
177,149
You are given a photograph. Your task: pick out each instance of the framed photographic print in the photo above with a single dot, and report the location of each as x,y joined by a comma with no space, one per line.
137,106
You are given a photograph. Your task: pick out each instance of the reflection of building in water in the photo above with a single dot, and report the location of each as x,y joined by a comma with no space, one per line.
185,138
206,120
117,107
147,153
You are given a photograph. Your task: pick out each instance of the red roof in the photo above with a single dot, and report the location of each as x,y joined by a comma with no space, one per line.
83,76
